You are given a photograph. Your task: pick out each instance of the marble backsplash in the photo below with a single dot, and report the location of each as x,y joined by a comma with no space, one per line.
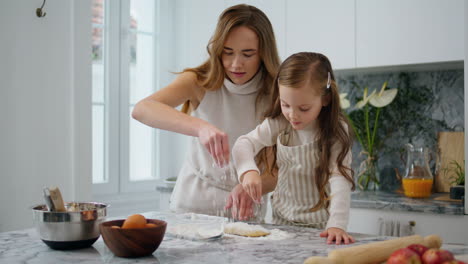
428,102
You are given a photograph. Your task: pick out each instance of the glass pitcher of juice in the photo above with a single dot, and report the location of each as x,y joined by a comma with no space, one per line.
417,181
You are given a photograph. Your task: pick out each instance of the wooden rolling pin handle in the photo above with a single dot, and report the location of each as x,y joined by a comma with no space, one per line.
319,260
432,241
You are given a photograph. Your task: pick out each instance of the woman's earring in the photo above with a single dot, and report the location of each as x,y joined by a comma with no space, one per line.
329,81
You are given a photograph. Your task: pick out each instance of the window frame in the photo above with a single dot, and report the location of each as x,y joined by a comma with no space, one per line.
116,59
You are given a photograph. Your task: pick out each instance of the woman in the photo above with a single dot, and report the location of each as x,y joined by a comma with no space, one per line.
226,96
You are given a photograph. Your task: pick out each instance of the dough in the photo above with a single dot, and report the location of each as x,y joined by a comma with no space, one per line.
244,229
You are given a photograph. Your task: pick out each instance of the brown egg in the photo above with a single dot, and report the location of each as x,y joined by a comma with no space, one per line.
134,221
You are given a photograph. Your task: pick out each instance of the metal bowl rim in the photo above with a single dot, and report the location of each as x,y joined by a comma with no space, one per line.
104,206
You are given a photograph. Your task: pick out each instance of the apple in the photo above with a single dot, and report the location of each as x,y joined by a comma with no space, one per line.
436,256
454,262
404,256
418,248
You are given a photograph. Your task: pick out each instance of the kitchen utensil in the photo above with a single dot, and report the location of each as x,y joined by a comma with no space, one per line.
376,252
57,200
417,181
77,227
133,242
48,200
451,147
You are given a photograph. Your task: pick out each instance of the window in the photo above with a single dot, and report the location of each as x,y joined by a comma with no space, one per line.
124,49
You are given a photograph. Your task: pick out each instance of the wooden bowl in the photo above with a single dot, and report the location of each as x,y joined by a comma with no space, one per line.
133,242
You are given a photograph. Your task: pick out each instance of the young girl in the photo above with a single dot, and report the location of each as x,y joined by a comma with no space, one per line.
313,149
232,87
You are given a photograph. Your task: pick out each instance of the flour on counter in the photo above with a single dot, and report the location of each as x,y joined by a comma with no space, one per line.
196,226
196,231
193,226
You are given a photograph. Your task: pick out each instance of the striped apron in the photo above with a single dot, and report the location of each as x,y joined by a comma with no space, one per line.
295,191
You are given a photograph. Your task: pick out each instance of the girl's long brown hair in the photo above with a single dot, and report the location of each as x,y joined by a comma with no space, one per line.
210,74
311,69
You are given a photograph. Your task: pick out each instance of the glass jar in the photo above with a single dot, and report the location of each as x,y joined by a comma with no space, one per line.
417,181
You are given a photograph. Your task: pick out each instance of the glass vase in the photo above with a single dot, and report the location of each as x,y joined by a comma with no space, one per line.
369,176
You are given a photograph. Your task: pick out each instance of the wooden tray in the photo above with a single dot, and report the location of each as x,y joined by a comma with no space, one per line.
451,147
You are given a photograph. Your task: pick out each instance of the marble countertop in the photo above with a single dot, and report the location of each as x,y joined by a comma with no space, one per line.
25,246
398,202
387,201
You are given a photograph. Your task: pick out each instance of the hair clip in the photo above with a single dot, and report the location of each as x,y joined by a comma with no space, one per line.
329,81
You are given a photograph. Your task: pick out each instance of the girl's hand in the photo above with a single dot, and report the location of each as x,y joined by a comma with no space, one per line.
252,183
240,203
337,235
216,142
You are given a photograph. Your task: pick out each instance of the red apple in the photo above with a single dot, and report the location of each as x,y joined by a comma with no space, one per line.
404,256
454,262
418,248
436,256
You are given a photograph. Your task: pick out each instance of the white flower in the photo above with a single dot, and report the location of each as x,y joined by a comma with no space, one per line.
365,99
344,102
384,97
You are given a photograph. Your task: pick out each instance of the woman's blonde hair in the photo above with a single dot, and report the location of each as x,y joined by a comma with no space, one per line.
313,69
211,74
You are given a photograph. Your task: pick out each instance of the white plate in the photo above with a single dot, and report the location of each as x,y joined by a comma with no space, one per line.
193,226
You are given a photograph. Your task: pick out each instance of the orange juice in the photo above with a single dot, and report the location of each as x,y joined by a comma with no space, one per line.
417,188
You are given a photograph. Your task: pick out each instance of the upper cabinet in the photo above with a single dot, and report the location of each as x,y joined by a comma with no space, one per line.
396,32
322,26
352,34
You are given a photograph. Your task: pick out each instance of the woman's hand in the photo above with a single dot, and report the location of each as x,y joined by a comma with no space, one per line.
216,142
337,235
252,183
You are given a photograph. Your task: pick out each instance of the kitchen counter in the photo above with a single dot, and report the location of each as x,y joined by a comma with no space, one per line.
398,202
24,246
394,201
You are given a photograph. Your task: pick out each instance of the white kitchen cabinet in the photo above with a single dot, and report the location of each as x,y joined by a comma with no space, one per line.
452,228
322,26
398,32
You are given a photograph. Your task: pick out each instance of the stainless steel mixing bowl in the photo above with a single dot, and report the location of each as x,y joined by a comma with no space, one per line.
76,228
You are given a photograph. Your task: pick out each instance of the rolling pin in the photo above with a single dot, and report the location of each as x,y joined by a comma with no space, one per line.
376,252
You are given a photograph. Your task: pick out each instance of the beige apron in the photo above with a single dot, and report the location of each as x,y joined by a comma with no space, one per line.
295,191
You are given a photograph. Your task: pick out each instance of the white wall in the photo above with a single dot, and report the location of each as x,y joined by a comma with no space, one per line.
45,105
